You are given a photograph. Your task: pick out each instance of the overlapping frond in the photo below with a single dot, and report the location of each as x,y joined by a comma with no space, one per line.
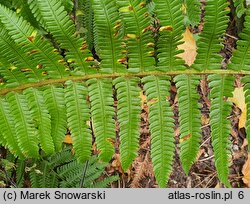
221,87
63,30
138,36
8,130
102,115
78,116
161,126
22,63
32,43
26,132
42,119
128,96
240,7
241,61
171,28
210,40
108,41
192,9
55,103
189,118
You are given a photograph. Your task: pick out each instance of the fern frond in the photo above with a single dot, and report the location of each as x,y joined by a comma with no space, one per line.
14,53
161,126
107,41
246,80
128,95
210,41
8,130
102,114
137,22
20,171
240,59
221,86
240,7
63,157
86,21
32,43
55,103
189,118
171,28
63,30
43,176
42,119
23,9
105,182
193,11
11,77
27,135
78,114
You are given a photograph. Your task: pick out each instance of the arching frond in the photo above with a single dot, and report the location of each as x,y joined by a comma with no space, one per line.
63,30
42,119
108,42
221,87
161,126
128,95
171,28
139,38
210,40
26,133
102,114
189,118
55,103
78,114
26,36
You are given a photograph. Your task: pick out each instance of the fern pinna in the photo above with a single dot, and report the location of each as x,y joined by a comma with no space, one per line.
61,75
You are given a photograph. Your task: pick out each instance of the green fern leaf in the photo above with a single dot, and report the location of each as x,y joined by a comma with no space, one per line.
161,126
107,41
193,11
128,95
86,21
102,113
27,135
240,7
246,80
13,53
189,118
240,59
11,77
171,28
78,114
209,43
221,86
63,30
41,118
8,130
136,19
32,43
55,103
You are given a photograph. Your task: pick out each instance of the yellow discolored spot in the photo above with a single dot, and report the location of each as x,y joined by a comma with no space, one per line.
32,36
131,36
89,59
185,138
126,9
142,4
151,45
68,139
153,101
166,28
